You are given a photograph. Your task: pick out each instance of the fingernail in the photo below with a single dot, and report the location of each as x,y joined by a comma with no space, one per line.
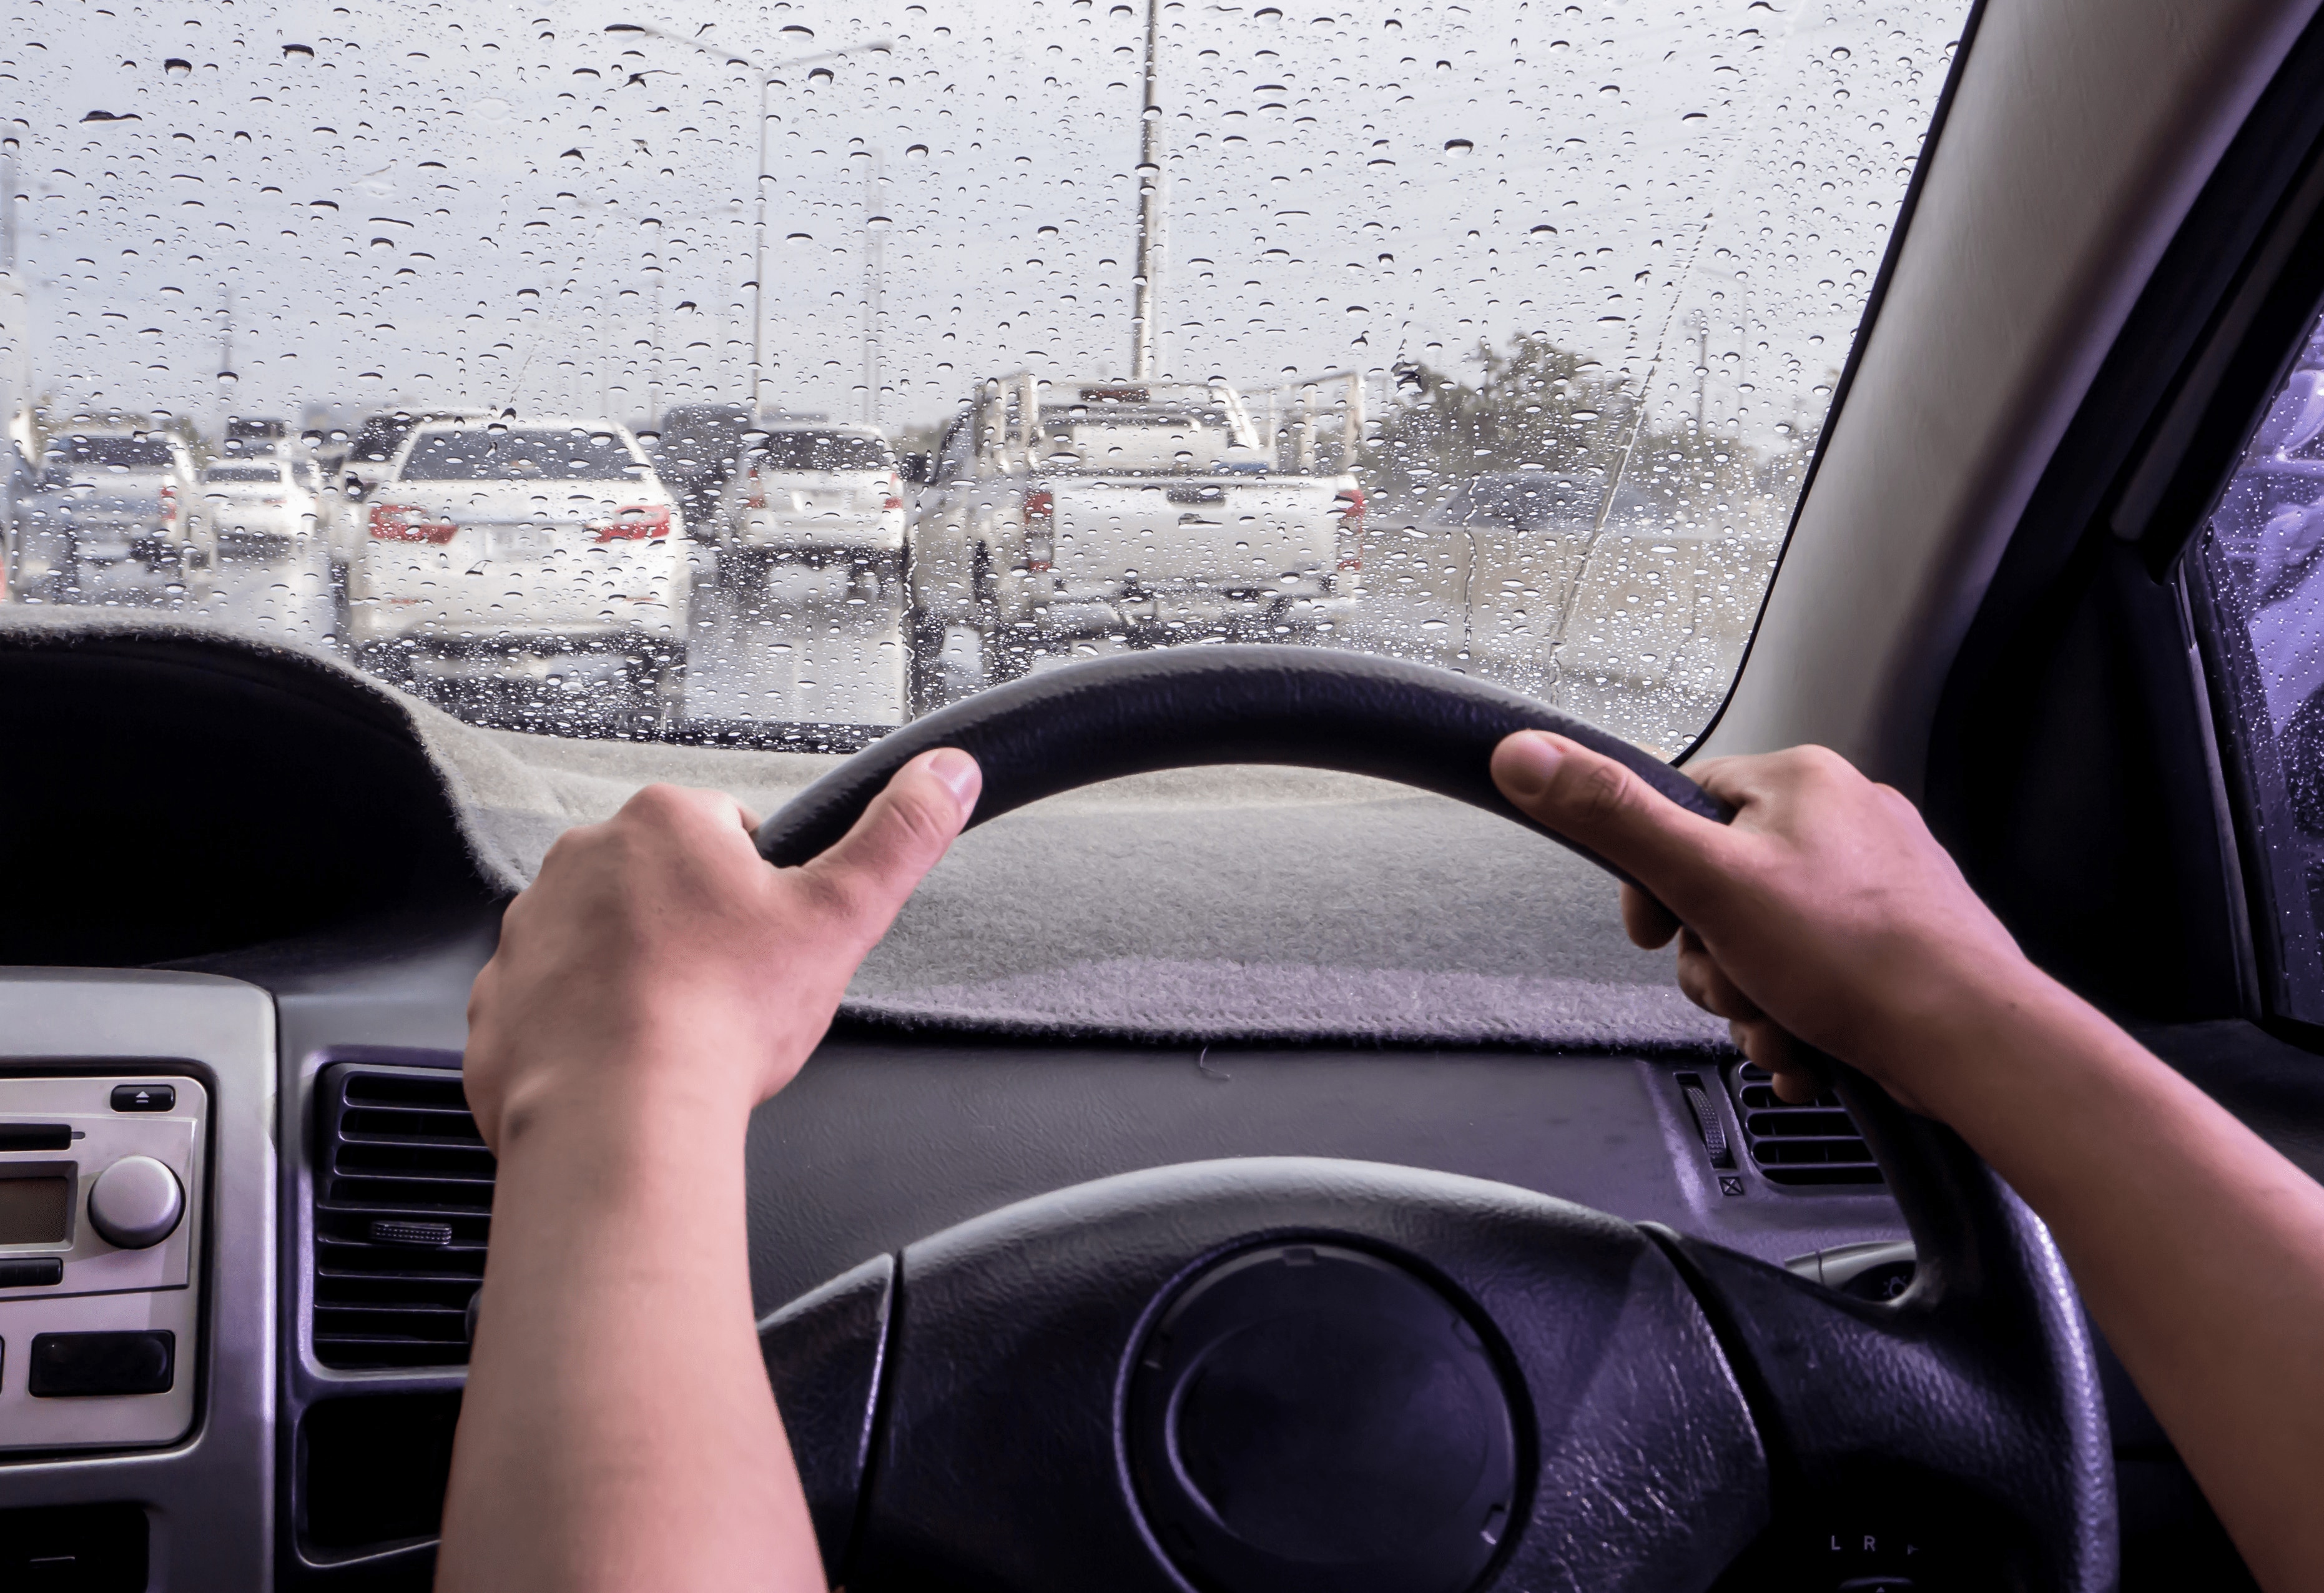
960,775
1527,763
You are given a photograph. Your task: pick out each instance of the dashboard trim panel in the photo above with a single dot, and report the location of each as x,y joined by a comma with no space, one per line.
210,1497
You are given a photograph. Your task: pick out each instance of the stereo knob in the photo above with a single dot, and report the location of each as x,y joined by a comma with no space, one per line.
136,1203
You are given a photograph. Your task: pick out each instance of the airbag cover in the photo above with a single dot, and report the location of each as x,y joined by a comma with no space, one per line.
1310,1416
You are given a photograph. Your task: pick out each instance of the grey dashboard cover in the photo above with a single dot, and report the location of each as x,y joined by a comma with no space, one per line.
1230,904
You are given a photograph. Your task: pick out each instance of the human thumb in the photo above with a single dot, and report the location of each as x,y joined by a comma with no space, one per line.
925,804
1594,802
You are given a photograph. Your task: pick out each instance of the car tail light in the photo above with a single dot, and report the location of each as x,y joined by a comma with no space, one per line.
400,522
169,501
755,497
895,498
1040,529
1350,504
634,523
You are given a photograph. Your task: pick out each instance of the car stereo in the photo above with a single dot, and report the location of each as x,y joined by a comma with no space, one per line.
100,1228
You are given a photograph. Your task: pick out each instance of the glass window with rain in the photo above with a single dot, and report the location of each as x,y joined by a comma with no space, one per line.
766,374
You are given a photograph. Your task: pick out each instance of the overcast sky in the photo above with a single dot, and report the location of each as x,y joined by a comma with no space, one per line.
489,203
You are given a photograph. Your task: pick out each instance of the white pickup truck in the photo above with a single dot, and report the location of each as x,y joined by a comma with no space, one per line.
1059,516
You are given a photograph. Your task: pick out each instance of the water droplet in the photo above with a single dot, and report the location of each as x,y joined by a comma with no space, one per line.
1543,230
178,66
1458,147
918,151
298,53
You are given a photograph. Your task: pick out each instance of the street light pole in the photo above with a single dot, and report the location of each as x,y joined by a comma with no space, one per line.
766,74
1144,306
875,221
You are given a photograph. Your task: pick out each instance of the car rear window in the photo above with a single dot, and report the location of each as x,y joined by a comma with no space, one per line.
118,453
518,456
821,450
230,474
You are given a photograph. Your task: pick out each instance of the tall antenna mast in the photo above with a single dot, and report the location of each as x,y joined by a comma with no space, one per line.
1150,204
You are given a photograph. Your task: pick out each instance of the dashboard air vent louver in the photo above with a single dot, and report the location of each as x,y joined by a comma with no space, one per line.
403,1201
1814,1143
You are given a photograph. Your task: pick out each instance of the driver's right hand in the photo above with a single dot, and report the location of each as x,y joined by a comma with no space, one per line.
1825,913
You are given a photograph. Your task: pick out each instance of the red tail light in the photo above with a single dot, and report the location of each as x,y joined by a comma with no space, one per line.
635,523
895,498
1040,529
1351,505
756,496
400,522
169,501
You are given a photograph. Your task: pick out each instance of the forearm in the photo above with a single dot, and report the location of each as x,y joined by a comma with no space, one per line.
619,1431
2197,1249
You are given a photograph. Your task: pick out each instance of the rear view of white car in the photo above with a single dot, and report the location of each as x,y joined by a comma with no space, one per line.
256,509
530,573
820,495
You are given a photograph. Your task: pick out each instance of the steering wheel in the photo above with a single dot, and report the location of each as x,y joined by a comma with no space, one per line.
1293,1374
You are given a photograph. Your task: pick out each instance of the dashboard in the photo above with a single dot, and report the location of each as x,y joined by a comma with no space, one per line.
337,1202
242,1210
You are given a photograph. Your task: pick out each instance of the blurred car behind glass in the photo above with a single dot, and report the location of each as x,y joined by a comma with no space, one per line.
818,494
109,519
531,573
256,509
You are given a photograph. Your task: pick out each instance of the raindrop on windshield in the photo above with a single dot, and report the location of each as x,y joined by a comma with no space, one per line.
1458,147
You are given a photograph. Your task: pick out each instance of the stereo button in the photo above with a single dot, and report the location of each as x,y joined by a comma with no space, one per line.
80,1366
143,1097
136,1203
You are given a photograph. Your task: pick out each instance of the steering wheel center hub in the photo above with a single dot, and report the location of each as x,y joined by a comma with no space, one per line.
1309,1415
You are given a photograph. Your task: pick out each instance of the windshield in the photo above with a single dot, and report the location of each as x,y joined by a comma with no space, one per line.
488,455
1495,334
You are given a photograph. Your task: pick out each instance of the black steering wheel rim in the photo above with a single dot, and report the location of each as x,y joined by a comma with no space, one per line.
1976,1388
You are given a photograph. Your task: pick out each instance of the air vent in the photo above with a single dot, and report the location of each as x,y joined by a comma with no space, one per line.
403,1201
1809,1144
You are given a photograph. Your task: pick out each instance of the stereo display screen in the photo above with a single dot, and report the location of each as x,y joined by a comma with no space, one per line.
35,1210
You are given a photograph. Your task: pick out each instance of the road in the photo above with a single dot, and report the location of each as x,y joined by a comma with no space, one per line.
1640,635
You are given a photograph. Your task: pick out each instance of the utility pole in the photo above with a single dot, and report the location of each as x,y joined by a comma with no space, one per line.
1702,368
875,230
1147,280
653,365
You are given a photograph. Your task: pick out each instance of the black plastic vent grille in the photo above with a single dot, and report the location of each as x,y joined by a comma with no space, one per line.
403,1201
1811,1144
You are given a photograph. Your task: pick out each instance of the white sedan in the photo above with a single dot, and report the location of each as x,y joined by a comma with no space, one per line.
530,570
813,494
256,509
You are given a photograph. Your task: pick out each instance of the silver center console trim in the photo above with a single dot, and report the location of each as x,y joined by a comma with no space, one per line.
210,1497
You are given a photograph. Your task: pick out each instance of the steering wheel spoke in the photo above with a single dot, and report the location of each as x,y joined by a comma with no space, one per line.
1962,1418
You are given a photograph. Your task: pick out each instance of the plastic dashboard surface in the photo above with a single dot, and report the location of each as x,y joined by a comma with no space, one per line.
882,1141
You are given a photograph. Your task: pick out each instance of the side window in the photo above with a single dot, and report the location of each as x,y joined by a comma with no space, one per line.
2255,587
